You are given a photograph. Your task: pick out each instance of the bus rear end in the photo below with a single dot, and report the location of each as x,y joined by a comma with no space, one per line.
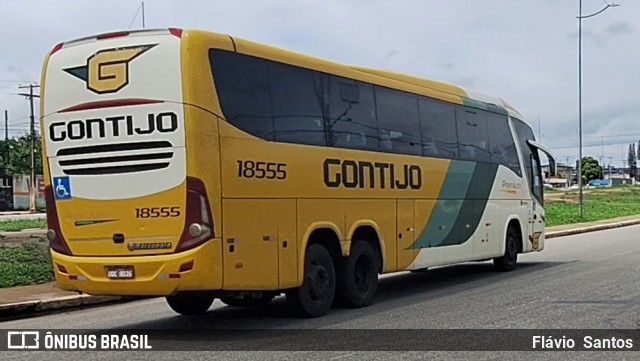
124,217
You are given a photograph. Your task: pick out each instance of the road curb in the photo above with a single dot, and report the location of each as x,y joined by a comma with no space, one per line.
599,227
20,309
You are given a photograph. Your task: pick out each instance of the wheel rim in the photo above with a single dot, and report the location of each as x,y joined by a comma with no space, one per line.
362,274
318,281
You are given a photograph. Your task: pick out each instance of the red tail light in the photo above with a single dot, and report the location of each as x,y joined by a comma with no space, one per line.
175,32
54,234
56,48
198,225
116,34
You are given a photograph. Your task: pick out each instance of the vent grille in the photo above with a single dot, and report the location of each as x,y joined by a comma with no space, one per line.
117,158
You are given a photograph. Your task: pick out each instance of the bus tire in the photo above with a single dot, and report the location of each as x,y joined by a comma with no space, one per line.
509,260
357,277
249,301
190,304
314,297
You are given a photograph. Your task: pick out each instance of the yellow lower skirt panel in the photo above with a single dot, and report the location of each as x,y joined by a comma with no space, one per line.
154,275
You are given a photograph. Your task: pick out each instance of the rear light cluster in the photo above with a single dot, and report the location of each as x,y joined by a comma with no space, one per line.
54,235
198,225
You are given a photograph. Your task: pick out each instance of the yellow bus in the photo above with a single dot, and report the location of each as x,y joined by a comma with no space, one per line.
196,166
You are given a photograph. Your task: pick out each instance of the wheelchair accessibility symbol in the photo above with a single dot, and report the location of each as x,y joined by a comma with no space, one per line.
61,188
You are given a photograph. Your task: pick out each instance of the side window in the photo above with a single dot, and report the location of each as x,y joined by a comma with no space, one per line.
502,146
473,139
242,85
297,99
524,133
438,123
352,118
536,178
399,131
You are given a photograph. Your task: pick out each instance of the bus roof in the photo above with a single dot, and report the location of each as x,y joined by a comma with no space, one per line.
428,87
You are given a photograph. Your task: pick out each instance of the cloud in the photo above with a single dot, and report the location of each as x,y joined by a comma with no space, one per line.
620,27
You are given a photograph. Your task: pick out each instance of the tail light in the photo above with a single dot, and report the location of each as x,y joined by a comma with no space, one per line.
54,235
198,226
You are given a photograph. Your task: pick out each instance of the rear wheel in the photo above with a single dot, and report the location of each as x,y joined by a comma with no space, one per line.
314,297
249,301
357,277
190,304
510,258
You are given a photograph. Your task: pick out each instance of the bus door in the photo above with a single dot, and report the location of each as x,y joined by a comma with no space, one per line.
536,214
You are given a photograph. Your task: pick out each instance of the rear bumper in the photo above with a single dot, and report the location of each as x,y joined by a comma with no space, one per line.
155,275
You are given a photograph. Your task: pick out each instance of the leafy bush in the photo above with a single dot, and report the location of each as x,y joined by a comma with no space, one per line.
24,264
19,225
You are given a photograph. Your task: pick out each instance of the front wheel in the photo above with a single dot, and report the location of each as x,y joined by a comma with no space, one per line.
510,258
190,304
314,297
357,277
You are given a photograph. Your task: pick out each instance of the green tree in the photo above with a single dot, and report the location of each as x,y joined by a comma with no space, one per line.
591,169
15,155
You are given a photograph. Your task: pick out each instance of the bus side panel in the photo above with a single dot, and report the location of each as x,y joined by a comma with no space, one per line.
406,233
260,250
422,214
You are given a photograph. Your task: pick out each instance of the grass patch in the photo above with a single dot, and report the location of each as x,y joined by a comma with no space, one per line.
598,204
24,264
21,224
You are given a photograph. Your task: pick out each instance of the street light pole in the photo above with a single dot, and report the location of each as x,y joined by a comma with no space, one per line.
580,17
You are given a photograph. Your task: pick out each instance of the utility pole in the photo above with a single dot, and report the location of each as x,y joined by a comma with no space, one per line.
6,125
143,15
33,189
5,171
569,171
610,160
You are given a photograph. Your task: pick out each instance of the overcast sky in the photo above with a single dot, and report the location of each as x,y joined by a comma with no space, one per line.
524,51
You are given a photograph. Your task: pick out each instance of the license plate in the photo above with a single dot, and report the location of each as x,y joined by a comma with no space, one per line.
120,272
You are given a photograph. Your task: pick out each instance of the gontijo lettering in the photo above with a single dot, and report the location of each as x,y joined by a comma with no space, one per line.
361,174
115,126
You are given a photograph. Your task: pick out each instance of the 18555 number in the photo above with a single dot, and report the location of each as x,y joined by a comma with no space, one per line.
157,212
261,170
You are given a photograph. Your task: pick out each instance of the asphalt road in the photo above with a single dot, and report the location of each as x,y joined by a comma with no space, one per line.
583,281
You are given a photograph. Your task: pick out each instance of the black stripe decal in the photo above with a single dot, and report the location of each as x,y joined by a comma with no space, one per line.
122,158
115,170
113,148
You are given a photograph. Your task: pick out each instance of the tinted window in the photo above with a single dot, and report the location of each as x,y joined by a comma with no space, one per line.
501,144
352,119
438,122
242,84
473,139
399,131
536,179
297,98
524,133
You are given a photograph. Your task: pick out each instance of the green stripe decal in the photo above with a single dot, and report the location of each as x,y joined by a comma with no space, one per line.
449,203
460,205
484,106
